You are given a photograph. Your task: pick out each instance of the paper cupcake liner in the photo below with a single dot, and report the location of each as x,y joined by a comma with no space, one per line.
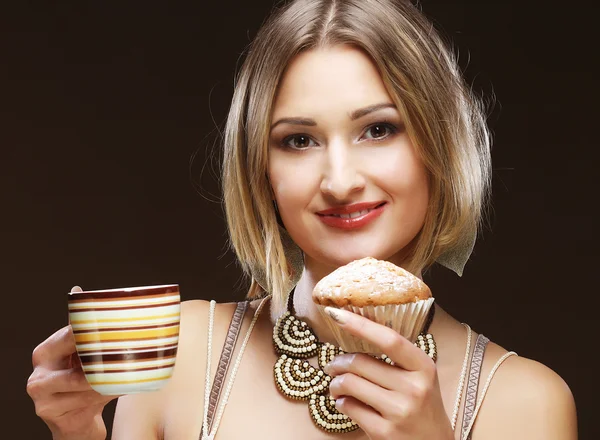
407,319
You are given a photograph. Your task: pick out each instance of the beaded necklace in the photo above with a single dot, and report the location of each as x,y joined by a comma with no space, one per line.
294,341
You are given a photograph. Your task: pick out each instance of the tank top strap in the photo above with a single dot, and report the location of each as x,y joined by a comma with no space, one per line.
473,382
472,403
224,361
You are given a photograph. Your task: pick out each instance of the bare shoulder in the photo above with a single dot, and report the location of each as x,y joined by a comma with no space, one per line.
525,400
168,412
194,325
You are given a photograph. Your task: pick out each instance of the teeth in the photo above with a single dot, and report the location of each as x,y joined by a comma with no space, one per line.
353,214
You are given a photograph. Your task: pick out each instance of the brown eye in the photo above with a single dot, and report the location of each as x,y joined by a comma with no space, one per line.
381,131
301,142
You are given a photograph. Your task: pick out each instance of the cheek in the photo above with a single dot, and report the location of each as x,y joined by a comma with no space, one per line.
402,174
293,180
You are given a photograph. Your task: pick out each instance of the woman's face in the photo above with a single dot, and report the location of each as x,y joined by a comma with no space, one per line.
333,153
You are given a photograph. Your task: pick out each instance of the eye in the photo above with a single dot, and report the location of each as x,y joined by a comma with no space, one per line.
379,129
303,142
379,132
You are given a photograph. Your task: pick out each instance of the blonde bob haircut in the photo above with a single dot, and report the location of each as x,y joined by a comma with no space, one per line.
444,119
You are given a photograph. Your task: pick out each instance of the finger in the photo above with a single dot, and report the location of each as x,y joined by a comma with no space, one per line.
74,360
361,389
364,416
363,365
90,398
399,349
63,403
63,381
54,352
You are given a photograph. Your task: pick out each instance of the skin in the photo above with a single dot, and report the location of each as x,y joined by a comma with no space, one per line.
412,400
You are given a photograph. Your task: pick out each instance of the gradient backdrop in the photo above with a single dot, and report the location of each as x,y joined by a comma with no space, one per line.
104,103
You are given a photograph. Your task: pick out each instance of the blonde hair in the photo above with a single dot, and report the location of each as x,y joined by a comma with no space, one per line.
444,119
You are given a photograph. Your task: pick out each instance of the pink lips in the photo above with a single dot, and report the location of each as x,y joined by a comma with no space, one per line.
345,217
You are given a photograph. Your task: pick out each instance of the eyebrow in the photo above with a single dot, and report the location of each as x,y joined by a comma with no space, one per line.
356,114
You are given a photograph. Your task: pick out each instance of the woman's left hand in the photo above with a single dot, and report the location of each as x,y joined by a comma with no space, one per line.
399,402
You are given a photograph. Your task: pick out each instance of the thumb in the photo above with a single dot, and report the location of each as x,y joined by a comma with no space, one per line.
74,289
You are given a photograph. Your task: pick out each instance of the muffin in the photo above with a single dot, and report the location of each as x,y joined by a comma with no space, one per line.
378,290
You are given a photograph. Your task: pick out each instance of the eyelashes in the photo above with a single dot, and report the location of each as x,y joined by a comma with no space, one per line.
390,128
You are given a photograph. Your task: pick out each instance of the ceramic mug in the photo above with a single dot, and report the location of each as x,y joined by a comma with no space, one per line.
126,338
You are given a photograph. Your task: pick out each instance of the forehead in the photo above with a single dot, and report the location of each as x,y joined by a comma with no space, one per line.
333,79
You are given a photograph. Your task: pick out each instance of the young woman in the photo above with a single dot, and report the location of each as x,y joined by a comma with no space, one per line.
351,134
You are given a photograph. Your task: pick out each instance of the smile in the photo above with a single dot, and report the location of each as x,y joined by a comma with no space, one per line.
353,214
352,220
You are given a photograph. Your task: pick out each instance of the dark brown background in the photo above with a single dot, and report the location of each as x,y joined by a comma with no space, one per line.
104,103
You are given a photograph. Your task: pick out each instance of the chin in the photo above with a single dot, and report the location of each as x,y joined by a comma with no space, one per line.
341,255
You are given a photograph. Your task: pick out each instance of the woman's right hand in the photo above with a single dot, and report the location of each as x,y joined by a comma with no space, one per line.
63,398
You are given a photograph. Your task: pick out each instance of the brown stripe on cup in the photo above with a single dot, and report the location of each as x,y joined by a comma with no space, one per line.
102,299
126,294
130,370
148,349
123,357
123,328
101,308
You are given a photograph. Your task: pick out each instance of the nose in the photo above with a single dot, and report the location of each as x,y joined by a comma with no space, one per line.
341,174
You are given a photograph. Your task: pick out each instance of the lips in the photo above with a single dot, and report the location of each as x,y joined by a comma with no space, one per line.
350,209
351,216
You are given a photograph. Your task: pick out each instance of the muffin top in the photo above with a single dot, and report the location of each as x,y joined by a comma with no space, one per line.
369,282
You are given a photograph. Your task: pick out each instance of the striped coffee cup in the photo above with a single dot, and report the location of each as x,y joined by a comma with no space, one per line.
126,338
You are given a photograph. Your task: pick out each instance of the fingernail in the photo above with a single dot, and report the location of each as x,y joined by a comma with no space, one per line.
336,314
334,382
